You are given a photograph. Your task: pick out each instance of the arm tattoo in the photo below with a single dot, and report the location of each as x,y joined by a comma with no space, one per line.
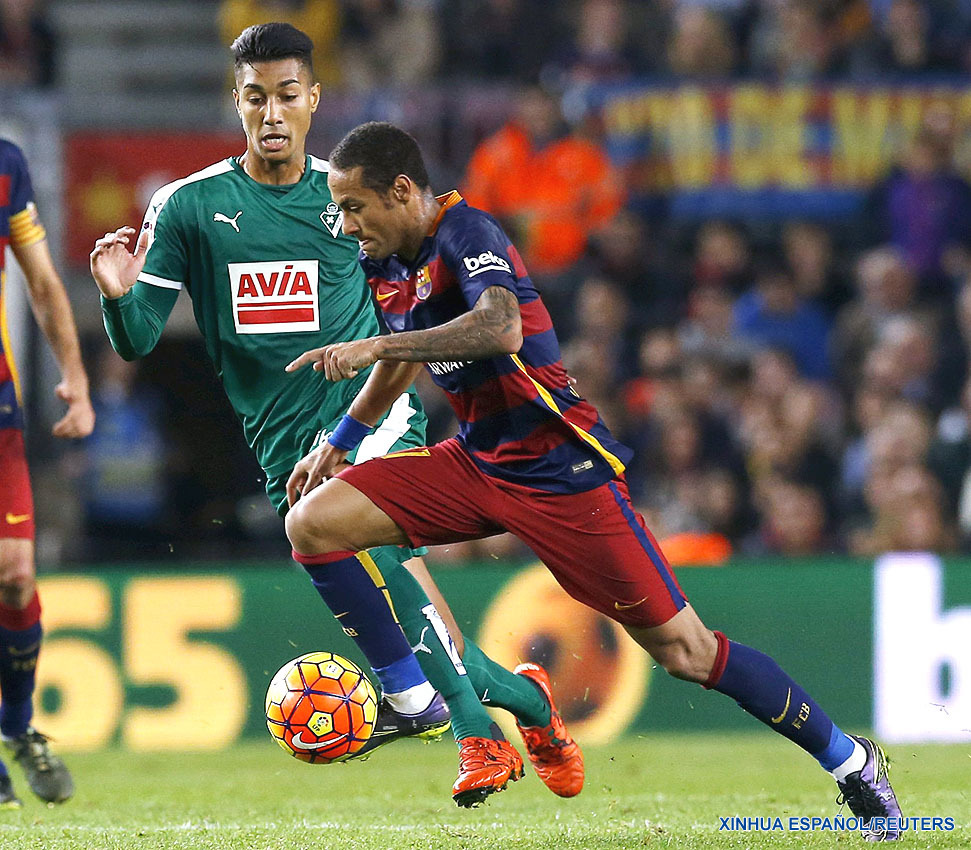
489,329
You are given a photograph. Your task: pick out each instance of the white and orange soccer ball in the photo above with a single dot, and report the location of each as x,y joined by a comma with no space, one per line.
321,708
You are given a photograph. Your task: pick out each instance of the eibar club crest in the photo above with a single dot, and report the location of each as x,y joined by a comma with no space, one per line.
332,219
423,283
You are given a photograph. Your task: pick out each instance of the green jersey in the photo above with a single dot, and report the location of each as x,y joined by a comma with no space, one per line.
270,276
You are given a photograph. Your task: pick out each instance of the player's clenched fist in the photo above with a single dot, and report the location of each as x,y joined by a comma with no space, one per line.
78,421
342,360
113,267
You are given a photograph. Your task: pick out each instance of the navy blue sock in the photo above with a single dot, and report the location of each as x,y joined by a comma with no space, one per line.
20,637
353,588
760,686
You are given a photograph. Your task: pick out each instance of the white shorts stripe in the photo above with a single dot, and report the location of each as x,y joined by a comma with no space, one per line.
396,424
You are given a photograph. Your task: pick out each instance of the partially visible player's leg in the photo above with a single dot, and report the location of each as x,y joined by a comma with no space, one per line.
494,685
687,649
16,686
487,762
20,635
337,519
402,430
356,592
419,571
498,687
762,688
614,565
432,645
409,705
20,632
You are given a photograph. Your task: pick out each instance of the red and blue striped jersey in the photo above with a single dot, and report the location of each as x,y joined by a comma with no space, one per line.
519,418
19,226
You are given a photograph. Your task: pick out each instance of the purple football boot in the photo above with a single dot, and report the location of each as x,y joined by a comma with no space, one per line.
429,725
869,795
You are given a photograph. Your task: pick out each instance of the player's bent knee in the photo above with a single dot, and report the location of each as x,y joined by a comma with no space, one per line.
17,581
307,530
337,517
324,521
294,528
17,571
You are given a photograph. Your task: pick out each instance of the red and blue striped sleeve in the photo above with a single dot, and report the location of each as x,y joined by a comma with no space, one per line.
25,226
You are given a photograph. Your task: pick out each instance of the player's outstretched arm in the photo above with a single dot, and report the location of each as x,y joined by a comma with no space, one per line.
51,306
386,382
492,327
134,313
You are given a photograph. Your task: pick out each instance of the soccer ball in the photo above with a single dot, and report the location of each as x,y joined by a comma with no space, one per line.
321,708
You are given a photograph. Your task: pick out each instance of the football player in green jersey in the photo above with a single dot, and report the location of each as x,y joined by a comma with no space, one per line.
256,242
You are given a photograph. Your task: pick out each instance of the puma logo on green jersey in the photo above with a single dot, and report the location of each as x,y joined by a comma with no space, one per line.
231,221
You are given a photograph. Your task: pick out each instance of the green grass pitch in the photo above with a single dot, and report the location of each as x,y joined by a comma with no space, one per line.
655,791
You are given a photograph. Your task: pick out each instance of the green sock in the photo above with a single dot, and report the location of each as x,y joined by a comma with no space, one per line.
497,686
429,638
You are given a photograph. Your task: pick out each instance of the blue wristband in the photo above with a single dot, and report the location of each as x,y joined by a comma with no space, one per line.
348,434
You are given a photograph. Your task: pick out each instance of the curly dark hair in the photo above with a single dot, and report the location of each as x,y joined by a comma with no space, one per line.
383,151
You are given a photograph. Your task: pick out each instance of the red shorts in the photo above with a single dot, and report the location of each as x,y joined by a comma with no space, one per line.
595,543
16,499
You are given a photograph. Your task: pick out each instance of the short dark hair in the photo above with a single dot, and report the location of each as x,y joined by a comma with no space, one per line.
383,151
270,42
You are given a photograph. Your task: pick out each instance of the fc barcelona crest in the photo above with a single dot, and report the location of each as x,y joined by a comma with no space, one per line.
423,283
333,218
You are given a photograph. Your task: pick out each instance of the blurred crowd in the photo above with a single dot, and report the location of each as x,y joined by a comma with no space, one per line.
794,388
790,388
26,44
359,41
362,44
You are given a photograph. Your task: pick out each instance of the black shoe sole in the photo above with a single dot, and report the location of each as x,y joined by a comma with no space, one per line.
476,796
432,733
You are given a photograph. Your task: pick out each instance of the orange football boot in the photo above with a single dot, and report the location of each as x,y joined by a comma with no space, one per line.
556,757
485,766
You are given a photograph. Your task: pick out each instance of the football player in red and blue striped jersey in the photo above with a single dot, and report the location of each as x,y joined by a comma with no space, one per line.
531,457
20,629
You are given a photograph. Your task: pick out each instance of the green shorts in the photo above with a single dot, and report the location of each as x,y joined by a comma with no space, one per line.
402,427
